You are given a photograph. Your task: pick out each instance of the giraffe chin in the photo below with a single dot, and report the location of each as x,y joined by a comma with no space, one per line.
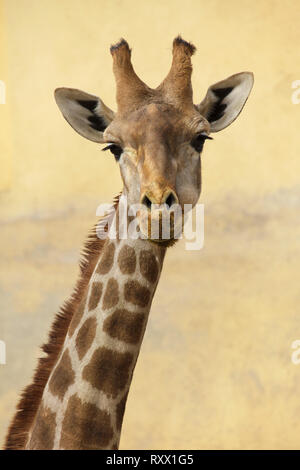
174,234
161,227
164,243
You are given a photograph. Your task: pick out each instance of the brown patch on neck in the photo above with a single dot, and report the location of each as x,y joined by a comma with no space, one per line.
107,260
148,265
31,397
111,295
44,430
86,336
137,294
95,295
85,426
125,325
127,260
120,410
77,316
109,370
63,376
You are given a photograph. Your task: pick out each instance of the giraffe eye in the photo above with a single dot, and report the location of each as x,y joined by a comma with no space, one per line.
115,149
198,142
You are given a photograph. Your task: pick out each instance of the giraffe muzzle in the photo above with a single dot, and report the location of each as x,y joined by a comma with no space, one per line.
160,217
151,200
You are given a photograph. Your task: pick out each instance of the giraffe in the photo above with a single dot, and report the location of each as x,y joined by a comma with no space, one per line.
79,391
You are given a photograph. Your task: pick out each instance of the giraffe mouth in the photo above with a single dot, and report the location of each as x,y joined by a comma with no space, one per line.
154,230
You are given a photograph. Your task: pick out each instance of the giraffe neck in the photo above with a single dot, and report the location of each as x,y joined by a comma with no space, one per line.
84,400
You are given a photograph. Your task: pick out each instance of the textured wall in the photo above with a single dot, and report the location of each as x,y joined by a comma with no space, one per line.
215,369
5,117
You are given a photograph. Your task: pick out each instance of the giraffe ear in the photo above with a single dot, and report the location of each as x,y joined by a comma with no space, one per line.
86,113
225,100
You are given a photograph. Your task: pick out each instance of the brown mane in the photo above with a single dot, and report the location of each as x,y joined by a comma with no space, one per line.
31,396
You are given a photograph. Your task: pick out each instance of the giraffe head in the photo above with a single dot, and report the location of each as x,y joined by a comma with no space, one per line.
156,135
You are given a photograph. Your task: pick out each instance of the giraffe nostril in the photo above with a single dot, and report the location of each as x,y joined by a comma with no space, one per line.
146,202
170,200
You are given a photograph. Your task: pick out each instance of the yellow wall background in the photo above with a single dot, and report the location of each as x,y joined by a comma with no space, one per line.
5,118
215,369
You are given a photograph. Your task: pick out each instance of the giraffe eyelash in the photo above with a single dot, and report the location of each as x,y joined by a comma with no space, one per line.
115,149
198,142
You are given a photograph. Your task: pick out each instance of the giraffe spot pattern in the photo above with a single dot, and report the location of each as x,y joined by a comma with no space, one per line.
95,295
137,294
85,426
148,265
86,336
125,325
111,295
120,409
44,430
108,370
62,377
127,260
107,259
77,316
